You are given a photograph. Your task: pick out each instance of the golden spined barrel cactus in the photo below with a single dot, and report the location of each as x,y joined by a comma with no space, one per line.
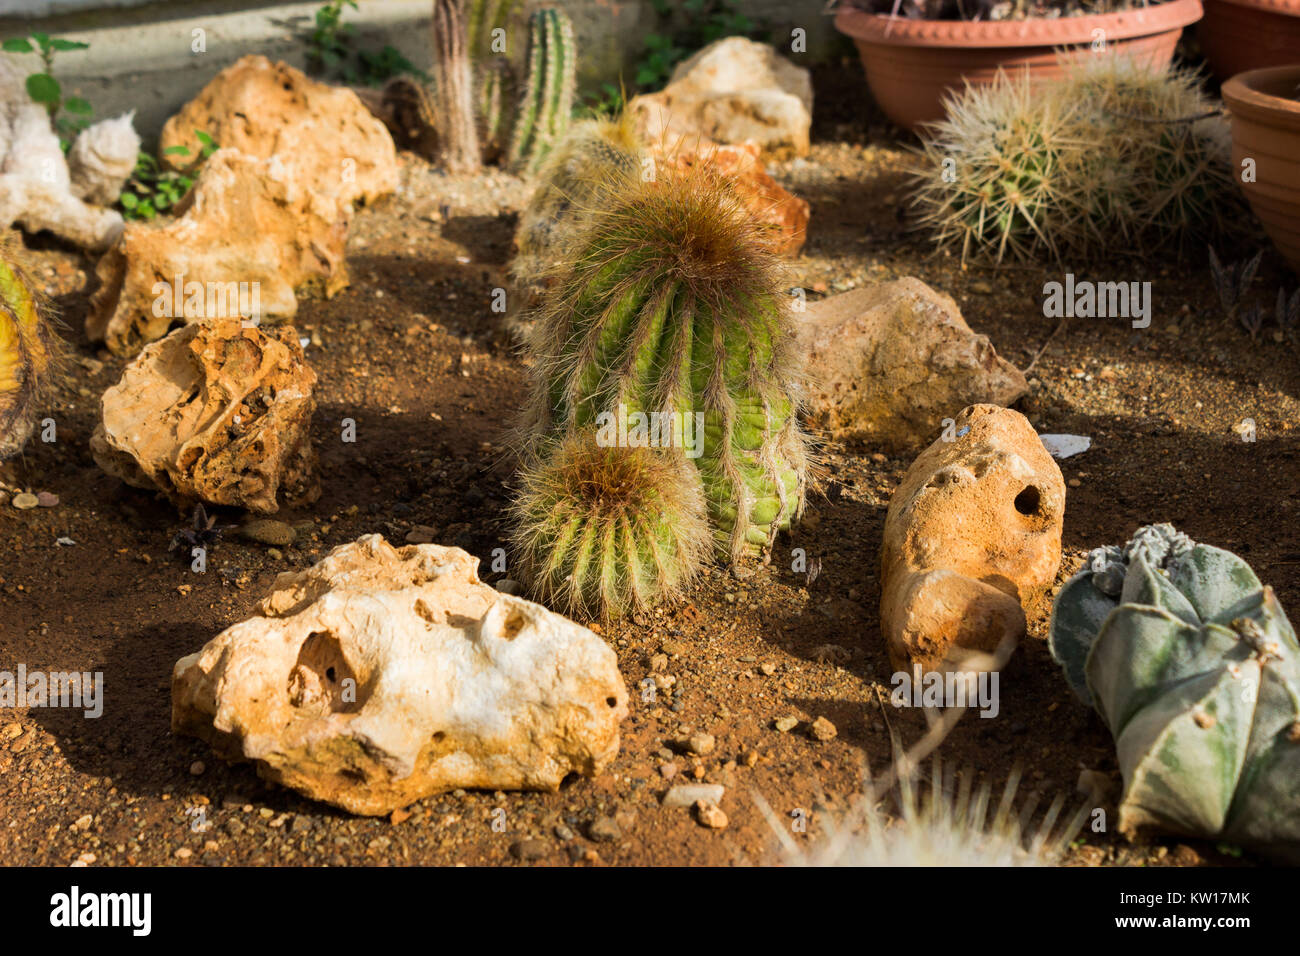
670,309
602,530
27,351
1195,669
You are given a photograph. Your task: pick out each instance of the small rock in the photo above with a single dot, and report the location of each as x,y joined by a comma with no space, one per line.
605,830
688,794
668,770
701,744
268,531
184,853
822,729
47,499
197,768
529,849
509,586
786,724
26,501
710,815
564,832
399,815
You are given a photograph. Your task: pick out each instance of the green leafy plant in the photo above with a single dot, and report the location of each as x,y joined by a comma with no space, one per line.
1195,669
152,189
328,45
684,28
43,88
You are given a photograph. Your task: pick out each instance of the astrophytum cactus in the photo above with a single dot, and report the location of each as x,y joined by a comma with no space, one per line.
1195,669
669,310
27,349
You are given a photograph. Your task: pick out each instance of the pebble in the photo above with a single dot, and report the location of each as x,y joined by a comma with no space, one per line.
688,794
184,853
822,729
267,531
668,770
398,816
509,586
26,501
701,744
564,833
605,830
421,534
47,499
786,724
768,668
710,815
529,849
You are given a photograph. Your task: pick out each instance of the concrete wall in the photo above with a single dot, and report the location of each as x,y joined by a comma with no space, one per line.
154,56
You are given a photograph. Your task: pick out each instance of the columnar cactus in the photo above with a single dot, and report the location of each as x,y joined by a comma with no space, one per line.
457,130
27,350
602,530
671,306
547,101
1195,669
493,72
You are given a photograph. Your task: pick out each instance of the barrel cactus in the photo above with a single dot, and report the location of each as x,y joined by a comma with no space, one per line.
669,305
1195,669
602,530
27,352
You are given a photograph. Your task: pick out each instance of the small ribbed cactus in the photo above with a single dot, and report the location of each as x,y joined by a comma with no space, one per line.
1195,669
602,530
593,157
27,352
670,306
547,101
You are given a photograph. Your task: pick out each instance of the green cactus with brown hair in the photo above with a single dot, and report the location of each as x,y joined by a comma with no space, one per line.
1195,669
601,530
28,350
669,309
547,101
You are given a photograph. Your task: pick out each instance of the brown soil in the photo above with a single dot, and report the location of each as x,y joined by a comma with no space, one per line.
412,352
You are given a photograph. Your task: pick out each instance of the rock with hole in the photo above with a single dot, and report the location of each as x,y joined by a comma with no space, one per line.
383,675
972,539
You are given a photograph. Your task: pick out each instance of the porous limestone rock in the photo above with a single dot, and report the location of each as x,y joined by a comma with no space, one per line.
102,159
972,538
888,362
782,215
214,412
733,91
248,237
37,189
383,675
322,136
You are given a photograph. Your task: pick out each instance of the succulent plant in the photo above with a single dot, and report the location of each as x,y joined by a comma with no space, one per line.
454,86
592,158
1112,150
28,348
603,530
547,101
669,303
1195,669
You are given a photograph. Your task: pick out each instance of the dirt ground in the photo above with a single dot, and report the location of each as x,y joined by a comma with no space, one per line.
412,352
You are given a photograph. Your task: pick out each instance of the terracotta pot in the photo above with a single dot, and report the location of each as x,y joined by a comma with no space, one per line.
1240,35
911,64
1266,128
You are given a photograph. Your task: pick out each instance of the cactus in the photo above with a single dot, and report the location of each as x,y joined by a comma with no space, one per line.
669,303
493,73
1195,669
27,352
605,530
593,157
457,130
547,101
1112,150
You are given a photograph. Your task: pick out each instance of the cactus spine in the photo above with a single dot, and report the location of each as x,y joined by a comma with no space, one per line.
458,133
547,101
27,351
1195,669
671,305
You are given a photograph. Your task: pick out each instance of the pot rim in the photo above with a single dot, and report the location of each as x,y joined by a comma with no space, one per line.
1283,8
888,30
1242,98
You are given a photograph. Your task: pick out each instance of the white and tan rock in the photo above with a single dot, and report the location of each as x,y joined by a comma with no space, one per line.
322,136
247,242
214,412
382,675
888,362
972,539
733,91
